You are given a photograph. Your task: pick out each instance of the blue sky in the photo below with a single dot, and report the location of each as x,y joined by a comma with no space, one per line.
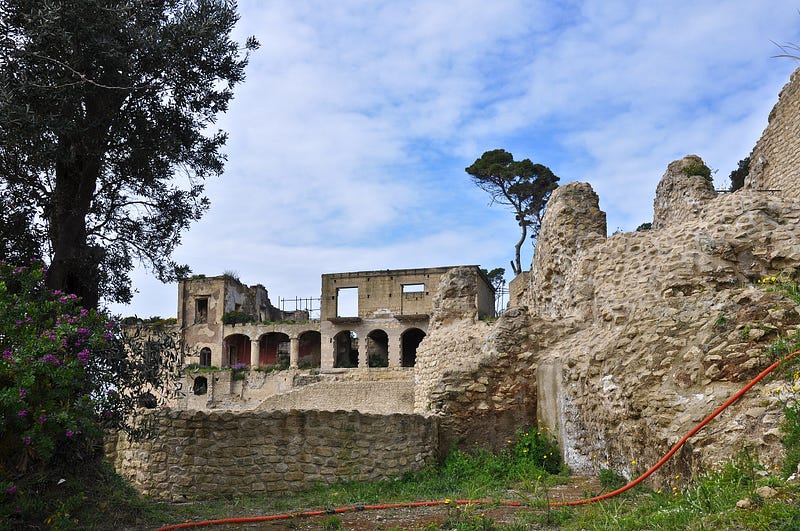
349,138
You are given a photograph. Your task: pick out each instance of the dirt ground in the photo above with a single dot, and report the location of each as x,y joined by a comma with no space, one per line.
419,518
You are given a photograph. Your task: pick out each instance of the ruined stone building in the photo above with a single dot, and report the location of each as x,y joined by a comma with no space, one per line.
226,324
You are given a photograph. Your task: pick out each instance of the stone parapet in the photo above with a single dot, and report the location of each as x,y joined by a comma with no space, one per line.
196,455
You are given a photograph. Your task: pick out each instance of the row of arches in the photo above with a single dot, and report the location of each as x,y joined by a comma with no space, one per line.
347,347
376,349
274,348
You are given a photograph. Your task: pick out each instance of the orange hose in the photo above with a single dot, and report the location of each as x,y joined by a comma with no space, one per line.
680,443
286,516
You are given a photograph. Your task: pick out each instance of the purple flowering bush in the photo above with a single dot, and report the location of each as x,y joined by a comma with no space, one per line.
67,375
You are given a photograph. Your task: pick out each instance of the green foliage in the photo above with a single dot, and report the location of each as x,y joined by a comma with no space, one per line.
539,446
738,175
790,371
521,185
610,479
107,113
495,277
644,226
67,374
698,169
236,317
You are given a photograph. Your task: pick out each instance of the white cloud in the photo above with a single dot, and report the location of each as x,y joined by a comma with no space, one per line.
349,139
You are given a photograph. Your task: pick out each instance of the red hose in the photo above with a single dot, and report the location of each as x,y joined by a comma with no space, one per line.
286,516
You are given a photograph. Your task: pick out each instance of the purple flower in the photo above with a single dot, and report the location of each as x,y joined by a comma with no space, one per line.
27,441
22,394
22,413
42,420
83,356
19,270
12,489
109,325
83,332
57,292
69,433
7,354
107,336
51,358
84,312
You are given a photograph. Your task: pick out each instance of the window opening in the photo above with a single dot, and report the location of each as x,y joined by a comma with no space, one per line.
200,386
201,310
205,357
413,288
347,302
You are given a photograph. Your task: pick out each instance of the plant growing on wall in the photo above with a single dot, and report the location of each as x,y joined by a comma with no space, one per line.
521,185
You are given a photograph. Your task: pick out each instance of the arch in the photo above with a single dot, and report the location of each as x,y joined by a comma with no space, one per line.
310,349
273,348
205,357
377,349
237,350
200,385
345,353
410,341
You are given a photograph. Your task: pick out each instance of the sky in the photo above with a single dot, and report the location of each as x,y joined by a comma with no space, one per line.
349,138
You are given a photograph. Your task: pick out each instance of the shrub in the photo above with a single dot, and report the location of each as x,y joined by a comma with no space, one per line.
539,446
234,317
700,169
67,374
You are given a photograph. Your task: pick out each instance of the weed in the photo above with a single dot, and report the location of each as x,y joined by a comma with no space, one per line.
610,479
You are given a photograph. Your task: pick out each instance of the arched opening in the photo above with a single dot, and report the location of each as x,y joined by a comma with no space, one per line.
200,385
237,349
345,354
310,350
205,357
273,349
410,340
377,349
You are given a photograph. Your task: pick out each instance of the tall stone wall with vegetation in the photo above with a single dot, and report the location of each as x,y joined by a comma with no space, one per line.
775,160
196,455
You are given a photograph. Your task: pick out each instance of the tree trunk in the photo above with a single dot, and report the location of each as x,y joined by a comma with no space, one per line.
516,265
73,268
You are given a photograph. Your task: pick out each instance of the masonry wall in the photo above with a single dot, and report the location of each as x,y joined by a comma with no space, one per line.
776,157
202,456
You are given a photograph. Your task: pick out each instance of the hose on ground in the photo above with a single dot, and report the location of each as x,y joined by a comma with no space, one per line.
633,483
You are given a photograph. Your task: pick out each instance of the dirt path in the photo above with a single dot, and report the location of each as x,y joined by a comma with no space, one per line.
420,518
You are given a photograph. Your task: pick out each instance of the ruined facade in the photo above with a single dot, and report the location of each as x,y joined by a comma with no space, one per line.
371,321
775,160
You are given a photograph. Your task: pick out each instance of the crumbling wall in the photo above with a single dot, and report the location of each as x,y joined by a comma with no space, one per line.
196,455
775,160
680,195
477,376
664,333
572,225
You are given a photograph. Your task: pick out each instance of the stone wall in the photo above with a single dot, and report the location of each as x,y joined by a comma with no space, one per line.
381,397
775,160
197,455
369,390
665,325
573,224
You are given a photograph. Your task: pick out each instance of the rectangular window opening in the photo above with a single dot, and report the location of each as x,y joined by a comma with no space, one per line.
201,310
413,288
347,302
